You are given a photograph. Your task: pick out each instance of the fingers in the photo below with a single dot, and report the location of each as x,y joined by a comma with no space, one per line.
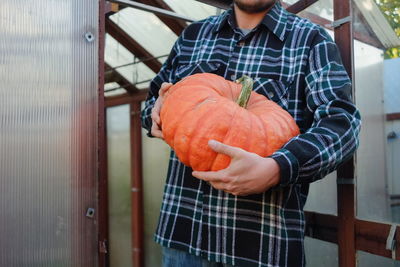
224,149
156,120
156,131
218,180
164,88
210,176
155,114
155,117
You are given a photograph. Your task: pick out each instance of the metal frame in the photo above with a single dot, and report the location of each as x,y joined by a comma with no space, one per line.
102,214
351,234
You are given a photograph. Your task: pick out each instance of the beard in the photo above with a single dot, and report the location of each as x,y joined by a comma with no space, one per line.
257,6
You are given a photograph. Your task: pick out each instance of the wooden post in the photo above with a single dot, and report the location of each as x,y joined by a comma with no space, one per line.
346,173
102,214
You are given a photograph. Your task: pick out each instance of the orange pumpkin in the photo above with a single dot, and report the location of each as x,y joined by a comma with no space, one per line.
206,106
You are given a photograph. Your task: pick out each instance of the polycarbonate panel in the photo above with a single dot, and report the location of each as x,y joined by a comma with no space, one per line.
155,153
365,259
373,186
48,132
322,8
320,253
322,196
391,68
119,185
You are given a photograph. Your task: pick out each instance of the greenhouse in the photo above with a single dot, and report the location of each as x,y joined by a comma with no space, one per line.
82,183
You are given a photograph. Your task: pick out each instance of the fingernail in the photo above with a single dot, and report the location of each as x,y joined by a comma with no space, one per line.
212,142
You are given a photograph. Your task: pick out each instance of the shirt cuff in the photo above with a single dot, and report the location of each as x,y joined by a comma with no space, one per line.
289,166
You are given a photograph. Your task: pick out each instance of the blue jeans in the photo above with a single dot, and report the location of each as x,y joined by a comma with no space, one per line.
179,258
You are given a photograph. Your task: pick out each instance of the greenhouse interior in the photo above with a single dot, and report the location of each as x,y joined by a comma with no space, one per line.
82,183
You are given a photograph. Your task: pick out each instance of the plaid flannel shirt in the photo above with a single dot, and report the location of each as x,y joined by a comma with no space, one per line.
296,64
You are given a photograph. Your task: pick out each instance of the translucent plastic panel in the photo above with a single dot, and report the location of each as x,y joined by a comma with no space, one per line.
322,8
155,163
147,29
365,259
112,89
119,193
48,132
192,8
392,85
320,253
136,73
322,196
373,184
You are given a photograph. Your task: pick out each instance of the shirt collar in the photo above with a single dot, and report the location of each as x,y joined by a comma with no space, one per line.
275,20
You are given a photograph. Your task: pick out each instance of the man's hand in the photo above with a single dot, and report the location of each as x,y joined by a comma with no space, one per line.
155,112
248,173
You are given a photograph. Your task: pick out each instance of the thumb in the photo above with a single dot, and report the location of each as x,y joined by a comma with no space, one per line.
228,150
164,88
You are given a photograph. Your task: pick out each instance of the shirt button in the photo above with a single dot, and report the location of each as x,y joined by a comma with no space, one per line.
271,94
233,77
241,43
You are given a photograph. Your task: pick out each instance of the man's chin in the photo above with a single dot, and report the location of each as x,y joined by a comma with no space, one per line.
253,8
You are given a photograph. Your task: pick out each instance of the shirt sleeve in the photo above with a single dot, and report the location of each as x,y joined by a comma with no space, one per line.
166,74
333,135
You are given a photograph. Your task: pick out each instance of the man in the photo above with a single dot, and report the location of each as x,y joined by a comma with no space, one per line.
251,213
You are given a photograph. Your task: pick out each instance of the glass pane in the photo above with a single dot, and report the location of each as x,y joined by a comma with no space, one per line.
377,171
119,184
48,133
147,29
320,253
192,8
118,57
322,8
112,89
365,259
155,153
322,197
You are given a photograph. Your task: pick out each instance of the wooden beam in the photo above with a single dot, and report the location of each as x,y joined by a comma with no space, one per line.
346,204
367,39
114,76
175,25
122,99
102,199
134,47
393,116
300,6
372,236
111,8
321,226
369,236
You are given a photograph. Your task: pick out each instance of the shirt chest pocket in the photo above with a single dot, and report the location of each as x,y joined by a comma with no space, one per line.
275,90
200,67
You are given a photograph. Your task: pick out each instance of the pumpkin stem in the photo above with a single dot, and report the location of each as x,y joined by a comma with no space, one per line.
247,87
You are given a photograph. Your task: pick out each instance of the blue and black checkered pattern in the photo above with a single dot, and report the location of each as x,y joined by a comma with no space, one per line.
296,64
